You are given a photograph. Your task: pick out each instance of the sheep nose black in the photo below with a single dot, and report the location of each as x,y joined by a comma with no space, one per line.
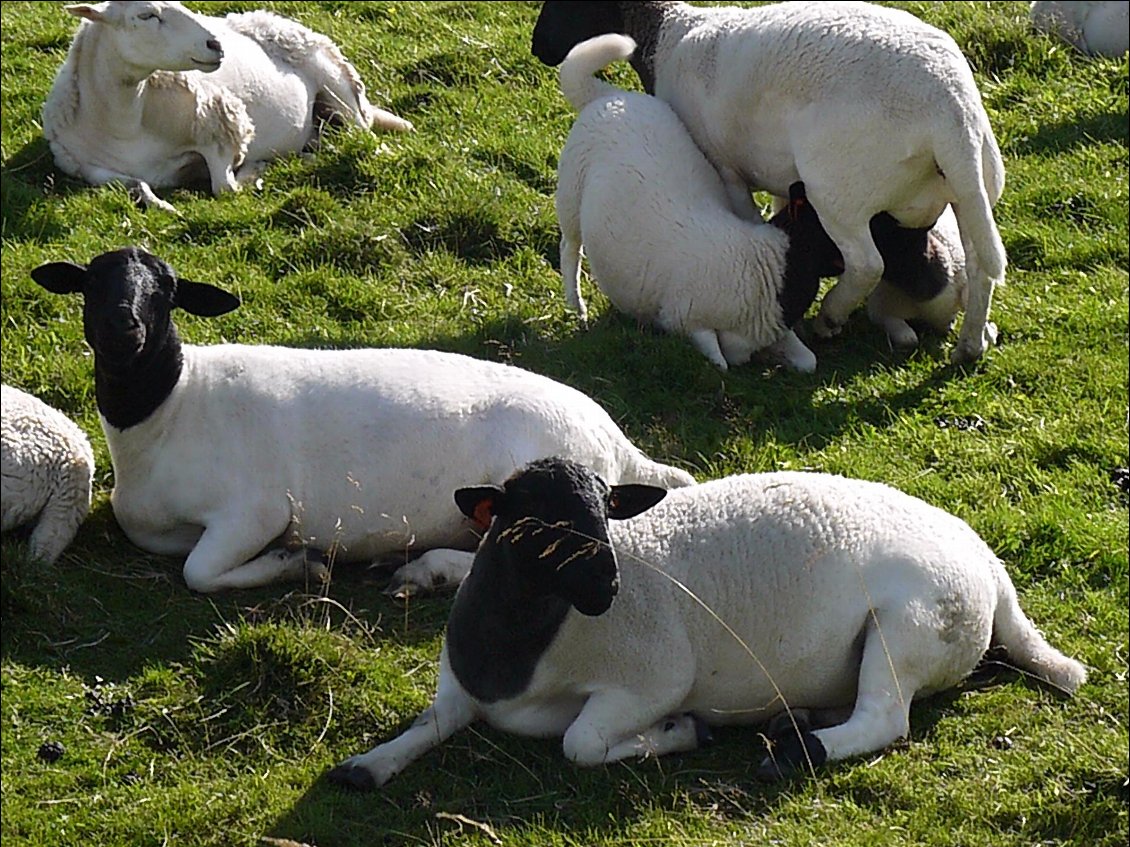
214,45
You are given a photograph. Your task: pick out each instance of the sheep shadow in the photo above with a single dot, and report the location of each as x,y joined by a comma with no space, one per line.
489,781
27,178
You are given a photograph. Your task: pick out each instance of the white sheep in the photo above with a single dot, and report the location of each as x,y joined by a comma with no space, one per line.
153,95
729,602
874,110
1099,28
46,472
220,452
658,230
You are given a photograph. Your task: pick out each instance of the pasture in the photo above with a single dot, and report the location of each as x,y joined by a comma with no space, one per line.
193,720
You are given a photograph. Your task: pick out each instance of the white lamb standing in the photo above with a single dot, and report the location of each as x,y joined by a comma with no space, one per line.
241,456
735,601
46,472
658,230
153,95
871,108
1099,28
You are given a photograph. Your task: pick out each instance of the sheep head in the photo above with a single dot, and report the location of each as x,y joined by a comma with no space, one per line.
154,35
550,519
128,296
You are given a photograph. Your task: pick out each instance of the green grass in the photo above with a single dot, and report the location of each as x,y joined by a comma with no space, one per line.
190,720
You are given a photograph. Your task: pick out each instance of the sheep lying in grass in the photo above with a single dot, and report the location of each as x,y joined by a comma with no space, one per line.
872,109
220,452
1095,28
153,95
729,602
658,230
46,472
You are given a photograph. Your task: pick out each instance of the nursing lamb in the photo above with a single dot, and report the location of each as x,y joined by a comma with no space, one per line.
729,602
222,452
872,109
657,228
153,95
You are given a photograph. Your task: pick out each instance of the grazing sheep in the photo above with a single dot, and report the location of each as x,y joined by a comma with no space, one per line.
153,95
222,451
924,277
874,110
656,225
1095,28
735,600
46,472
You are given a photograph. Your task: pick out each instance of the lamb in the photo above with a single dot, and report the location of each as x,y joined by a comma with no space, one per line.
47,473
152,95
658,229
1099,28
246,457
924,277
729,602
872,109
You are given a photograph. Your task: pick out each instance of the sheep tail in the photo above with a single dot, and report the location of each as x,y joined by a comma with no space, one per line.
1027,649
577,74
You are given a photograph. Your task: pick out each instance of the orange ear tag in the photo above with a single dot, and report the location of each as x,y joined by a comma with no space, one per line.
483,514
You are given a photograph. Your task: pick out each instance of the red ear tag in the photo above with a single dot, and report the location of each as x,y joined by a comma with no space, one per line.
794,209
483,514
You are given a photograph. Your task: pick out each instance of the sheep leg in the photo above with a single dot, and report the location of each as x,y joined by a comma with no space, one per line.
571,275
58,523
735,348
139,189
741,200
977,333
433,569
706,342
451,711
616,724
881,714
789,350
222,558
863,268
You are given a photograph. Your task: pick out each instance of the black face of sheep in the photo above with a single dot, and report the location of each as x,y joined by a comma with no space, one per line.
563,25
550,521
807,235
128,296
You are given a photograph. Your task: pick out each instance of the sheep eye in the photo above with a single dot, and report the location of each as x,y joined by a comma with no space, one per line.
149,16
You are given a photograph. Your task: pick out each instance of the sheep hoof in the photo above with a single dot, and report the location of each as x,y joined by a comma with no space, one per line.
353,777
791,755
825,328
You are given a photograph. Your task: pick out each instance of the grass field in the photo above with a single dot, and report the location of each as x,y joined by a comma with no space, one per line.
191,720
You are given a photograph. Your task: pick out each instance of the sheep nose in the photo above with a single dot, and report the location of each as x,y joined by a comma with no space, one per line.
214,45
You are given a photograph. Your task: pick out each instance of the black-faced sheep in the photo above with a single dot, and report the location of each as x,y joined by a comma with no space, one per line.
222,451
728,602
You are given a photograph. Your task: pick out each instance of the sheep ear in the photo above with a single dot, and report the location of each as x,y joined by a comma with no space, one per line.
60,277
627,501
85,10
480,503
200,298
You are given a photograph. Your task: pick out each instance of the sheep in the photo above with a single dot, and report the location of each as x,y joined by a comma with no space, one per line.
872,109
152,95
924,275
658,229
727,603
1094,28
221,452
47,473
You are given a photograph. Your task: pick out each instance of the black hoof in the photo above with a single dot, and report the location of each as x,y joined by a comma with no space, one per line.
791,755
352,777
